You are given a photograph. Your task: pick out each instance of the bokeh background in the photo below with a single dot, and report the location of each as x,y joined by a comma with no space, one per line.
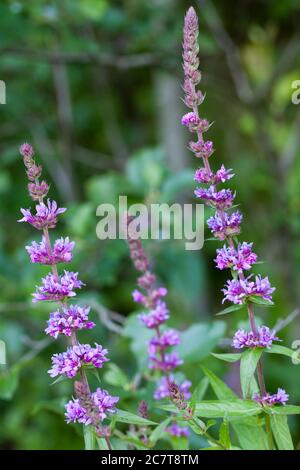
95,86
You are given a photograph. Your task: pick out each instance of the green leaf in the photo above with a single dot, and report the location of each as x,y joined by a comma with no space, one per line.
102,444
199,340
226,408
158,432
228,357
175,184
232,308
259,301
139,339
115,376
89,438
248,366
199,392
244,431
281,432
9,380
130,418
224,435
283,410
283,351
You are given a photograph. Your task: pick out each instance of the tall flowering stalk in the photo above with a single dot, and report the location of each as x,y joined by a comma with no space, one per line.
89,408
151,297
242,288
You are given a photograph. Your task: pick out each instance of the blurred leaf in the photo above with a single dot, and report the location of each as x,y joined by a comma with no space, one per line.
139,336
199,340
281,432
248,366
115,376
232,308
224,435
9,379
199,392
228,357
130,418
175,184
146,169
89,438
159,431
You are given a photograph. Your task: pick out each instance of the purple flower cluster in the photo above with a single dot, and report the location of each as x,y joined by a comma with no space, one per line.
177,431
56,287
240,259
162,390
99,405
87,407
150,296
279,398
61,251
68,363
67,320
45,216
238,291
262,338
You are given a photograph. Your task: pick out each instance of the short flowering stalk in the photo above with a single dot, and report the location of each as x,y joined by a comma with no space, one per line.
225,223
87,408
155,317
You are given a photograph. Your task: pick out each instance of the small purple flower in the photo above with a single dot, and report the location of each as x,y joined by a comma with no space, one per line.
76,413
237,290
202,175
104,403
262,339
68,363
227,225
239,259
279,398
26,150
166,363
155,317
165,340
68,320
177,431
220,199
162,390
223,175
38,190
191,120
60,253
137,296
57,288
46,215
202,149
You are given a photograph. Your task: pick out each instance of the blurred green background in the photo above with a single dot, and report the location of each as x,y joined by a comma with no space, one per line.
95,86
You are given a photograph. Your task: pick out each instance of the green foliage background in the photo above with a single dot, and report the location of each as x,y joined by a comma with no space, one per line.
95,86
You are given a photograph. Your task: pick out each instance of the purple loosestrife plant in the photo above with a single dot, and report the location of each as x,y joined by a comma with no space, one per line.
242,289
89,408
155,317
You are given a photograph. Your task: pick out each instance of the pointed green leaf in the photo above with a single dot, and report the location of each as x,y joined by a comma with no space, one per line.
248,366
232,308
199,392
227,408
259,301
234,357
89,438
224,435
284,351
281,432
130,418
158,432
283,410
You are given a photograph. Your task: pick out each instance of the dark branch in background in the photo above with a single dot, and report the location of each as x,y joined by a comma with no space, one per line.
65,119
94,58
213,20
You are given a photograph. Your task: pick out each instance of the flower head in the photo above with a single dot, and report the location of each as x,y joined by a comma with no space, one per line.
279,398
61,251
38,191
262,339
68,363
228,225
239,259
57,287
166,363
220,199
162,390
178,431
67,320
237,290
46,215
202,149
156,317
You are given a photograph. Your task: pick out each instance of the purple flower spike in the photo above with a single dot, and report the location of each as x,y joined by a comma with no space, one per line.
167,363
162,390
68,320
262,339
60,253
46,215
57,288
99,405
155,317
220,199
